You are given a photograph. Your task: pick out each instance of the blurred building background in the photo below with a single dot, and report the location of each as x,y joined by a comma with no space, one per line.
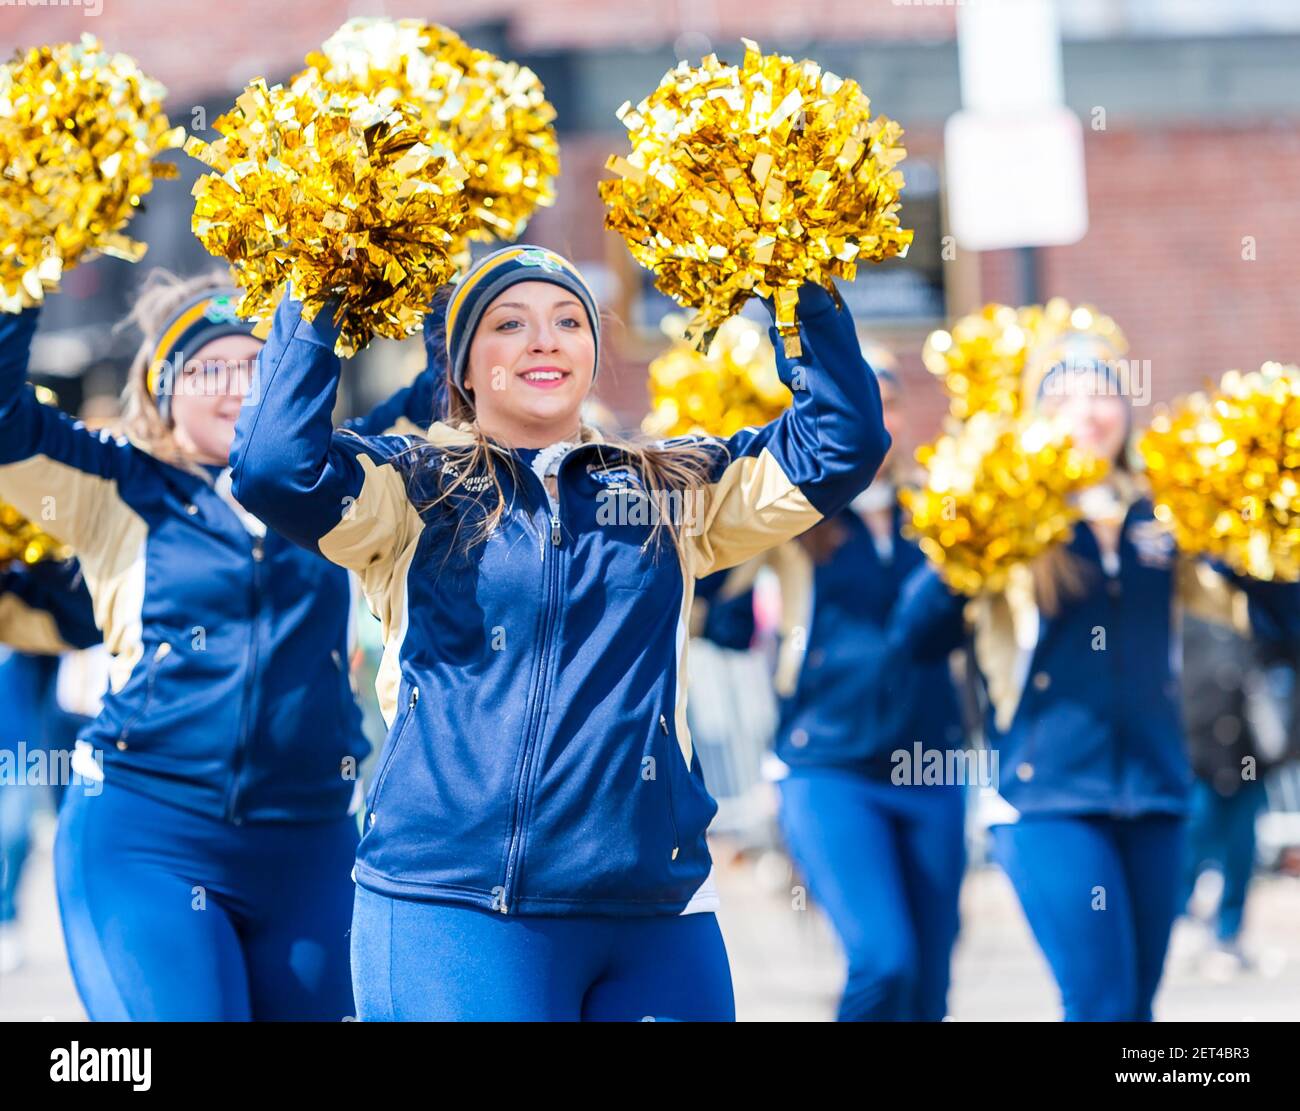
1190,108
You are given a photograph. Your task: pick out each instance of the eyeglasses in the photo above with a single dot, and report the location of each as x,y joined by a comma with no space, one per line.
216,377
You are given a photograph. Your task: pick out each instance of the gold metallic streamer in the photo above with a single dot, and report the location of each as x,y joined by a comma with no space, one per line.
80,131
981,359
346,197
494,113
994,359
1224,468
997,494
755,179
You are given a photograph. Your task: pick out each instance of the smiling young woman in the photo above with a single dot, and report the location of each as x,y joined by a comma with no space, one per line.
223,763
534,843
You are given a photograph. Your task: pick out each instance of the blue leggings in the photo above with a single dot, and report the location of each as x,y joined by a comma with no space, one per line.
1222,831
1101,895
885,862
419,961
170,915
17,804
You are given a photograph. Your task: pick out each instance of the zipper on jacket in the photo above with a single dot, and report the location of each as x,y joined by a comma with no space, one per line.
411,702
551,588
1113,593
241,748
159,654
668,779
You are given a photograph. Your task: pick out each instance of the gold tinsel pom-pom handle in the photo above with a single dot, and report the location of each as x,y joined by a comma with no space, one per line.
494,113
1224,468
80,131
349,198
755,179
998,493
733,386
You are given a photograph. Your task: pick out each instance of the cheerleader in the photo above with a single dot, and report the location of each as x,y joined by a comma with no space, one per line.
1080,668
44,610
206,875
881,851
534,843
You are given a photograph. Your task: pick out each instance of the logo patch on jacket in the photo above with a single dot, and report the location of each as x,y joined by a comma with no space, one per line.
617,477
1154,543
473,484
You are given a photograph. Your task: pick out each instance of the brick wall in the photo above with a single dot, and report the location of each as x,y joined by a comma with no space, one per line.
241,38
1168,212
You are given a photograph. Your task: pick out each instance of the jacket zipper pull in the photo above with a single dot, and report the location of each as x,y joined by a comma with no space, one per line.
555,530
415,697
663,724
258,550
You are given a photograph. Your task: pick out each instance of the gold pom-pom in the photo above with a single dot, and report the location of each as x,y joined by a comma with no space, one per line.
997,494
494,113
993,360
79,133
19,538
347,197
1224,469
981,359
23,541
755,179
1066,334
732,387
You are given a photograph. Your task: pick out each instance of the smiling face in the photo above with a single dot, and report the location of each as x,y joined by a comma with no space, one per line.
1097,420
531,364
209,394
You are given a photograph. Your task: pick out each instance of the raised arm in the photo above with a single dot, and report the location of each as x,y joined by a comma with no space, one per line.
774,482
410,410
333,492
927,622
46,608
53,469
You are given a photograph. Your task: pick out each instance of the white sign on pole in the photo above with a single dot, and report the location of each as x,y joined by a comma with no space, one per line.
1015,180
1014,154
1009,53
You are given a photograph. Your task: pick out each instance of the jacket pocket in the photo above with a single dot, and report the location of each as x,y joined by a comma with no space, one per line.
412,701
669,756
151,677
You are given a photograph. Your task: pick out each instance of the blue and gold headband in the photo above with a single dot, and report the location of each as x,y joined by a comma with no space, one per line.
201,319
493,274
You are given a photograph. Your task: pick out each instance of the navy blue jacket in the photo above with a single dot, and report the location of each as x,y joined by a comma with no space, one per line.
726,620
538,759
849,697
229,691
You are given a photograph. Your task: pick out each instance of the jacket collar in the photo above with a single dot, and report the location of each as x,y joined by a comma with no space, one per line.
442,434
